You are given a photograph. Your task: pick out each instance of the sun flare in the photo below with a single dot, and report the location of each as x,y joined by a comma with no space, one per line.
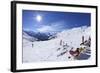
38,18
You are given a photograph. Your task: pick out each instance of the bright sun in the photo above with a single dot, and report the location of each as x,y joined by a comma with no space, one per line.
38,18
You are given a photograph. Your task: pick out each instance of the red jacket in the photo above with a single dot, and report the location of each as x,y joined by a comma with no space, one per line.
74,53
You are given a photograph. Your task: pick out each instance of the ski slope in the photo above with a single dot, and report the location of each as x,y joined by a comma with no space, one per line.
52,50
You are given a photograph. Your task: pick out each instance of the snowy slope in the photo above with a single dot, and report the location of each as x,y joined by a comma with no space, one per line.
27,37
74,36
52,50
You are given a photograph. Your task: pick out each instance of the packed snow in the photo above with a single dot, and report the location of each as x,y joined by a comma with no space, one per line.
56,49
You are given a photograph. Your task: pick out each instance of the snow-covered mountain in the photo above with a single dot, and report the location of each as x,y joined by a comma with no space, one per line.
28,37
40,36
56,49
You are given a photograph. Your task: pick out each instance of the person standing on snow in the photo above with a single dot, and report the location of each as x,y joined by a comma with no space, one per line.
32,44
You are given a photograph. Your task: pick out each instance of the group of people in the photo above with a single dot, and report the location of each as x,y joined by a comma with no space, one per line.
78,51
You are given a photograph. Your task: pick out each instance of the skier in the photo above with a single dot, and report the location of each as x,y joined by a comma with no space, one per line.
82,49
32,44
74,53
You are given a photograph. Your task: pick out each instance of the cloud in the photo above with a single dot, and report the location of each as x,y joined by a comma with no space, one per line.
60,25
53,27
45,29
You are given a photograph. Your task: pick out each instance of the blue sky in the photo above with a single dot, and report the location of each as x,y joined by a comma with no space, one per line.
49,21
